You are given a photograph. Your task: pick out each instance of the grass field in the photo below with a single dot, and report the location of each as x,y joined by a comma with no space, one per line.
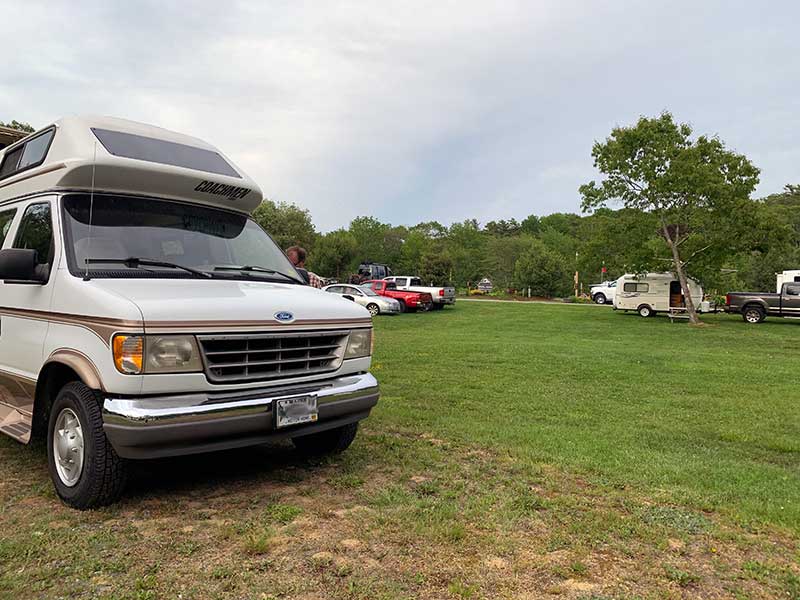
519,451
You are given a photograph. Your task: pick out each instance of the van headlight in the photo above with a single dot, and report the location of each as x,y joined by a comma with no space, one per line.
137,354
359,344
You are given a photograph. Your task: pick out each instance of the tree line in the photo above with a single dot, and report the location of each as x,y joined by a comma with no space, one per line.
544,252
683,205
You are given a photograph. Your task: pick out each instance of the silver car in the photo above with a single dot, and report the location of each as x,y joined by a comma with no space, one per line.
375,304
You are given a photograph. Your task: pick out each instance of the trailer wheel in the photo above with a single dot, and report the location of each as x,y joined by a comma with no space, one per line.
600,298
753,314
645,311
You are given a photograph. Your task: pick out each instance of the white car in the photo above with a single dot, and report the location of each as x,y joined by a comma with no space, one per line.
374,303
442,296
603,293
145,314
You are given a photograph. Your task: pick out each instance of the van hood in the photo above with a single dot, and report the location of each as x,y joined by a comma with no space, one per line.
201,300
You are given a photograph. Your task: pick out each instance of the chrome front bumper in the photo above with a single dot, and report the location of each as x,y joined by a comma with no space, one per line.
150,427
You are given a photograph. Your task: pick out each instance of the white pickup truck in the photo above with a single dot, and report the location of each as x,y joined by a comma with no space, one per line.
603,293
442,296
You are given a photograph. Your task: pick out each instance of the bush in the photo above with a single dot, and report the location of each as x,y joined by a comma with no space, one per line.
544,271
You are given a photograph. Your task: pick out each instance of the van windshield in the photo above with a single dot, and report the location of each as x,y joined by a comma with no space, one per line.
197,237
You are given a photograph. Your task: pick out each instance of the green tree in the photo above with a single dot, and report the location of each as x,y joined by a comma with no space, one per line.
369,234
501,257
530,225
288,224
334,254
465,245
544,271
19,126
435,267
697,189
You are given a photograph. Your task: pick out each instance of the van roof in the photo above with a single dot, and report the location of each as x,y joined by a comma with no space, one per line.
125,157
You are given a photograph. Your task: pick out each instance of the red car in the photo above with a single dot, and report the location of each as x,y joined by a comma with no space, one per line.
408,300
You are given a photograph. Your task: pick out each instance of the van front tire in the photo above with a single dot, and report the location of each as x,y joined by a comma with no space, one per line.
331,441
75,428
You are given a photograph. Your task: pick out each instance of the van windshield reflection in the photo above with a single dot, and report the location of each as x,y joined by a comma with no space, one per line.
170,239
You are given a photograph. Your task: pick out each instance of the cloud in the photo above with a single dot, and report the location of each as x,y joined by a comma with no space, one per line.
415,111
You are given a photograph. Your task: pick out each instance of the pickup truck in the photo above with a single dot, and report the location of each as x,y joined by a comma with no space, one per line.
442,296
756,306
408,300
602,293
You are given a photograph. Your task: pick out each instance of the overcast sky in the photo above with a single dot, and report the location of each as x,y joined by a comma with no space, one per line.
413,111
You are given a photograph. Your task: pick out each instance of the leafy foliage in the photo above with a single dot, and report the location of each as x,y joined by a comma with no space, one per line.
697,190
19,126
288,224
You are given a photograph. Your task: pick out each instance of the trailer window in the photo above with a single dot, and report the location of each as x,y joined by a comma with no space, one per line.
129,145
632,286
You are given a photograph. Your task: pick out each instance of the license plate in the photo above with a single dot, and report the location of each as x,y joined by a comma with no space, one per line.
293,411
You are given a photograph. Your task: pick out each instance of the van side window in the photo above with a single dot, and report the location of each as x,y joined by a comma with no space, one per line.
632,286
6,218
27,155
36,232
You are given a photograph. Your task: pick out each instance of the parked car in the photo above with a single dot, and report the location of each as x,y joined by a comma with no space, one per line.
366,297
442,296
653,293
411,300
757,306
152,316
603,293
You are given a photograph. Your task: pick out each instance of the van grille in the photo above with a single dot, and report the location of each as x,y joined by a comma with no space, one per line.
261,357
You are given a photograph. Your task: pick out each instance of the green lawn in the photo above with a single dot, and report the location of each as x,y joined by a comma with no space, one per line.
519,451
709,416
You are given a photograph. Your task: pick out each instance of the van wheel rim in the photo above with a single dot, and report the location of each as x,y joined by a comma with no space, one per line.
600,300
68,447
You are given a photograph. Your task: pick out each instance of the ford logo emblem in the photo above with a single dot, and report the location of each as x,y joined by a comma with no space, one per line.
284,316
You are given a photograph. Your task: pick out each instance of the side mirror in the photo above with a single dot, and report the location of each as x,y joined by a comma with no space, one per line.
349,297
18,265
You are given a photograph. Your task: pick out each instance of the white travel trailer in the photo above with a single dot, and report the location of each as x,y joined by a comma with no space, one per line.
143,313
786,277
652,293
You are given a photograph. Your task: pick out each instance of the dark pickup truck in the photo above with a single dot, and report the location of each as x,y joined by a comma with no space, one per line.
756,306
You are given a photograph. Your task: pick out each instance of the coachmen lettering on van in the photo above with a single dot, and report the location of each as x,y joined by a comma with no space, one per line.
144,314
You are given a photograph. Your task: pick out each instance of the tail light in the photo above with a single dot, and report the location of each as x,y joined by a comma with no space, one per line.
441,291
727,299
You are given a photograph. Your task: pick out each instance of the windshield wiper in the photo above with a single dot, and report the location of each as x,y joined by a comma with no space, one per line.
135,263
257,269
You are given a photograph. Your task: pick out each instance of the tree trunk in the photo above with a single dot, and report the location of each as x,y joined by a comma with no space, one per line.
676,258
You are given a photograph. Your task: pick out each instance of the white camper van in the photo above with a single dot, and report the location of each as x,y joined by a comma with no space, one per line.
143,313
656,292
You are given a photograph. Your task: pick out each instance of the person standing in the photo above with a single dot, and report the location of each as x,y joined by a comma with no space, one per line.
297,256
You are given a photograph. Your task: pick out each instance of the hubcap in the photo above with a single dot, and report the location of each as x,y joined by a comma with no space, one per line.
68,447
752,316
600,300
373,310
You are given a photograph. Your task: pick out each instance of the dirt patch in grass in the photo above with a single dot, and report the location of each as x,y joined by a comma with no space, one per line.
400,515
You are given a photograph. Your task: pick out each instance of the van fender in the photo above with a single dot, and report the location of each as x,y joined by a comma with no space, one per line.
80,363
